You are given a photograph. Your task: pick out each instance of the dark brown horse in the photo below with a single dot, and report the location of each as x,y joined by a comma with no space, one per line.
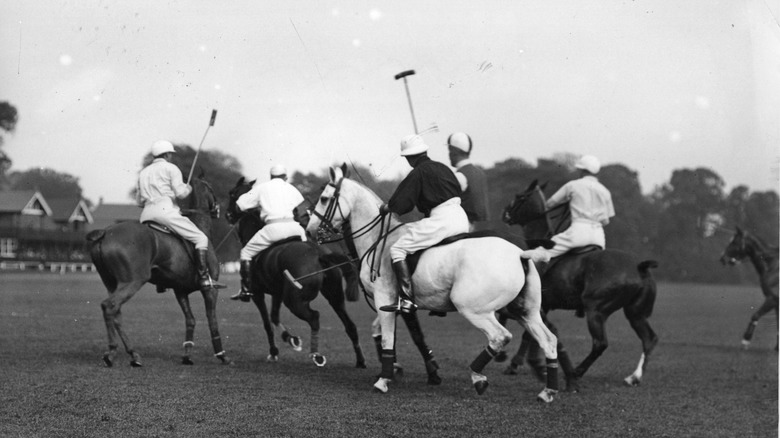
595,284
315,271
764,257
129,254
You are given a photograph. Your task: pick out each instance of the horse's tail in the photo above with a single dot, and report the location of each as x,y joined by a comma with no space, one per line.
643,305
347,269
94,242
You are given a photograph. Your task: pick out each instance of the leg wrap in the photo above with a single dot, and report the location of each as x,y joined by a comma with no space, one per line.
388,359
552,374
378,345
483,359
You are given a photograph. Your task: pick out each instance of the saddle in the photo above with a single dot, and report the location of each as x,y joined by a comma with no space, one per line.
188,246
414,258
573,252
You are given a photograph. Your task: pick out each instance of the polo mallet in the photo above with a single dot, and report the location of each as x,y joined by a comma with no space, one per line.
296,281
403,75
211,123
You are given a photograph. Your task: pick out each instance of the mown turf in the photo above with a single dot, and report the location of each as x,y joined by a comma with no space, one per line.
53,382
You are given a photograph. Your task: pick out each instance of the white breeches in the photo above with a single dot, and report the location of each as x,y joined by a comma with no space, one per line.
580,233
166,212
447,219
272,232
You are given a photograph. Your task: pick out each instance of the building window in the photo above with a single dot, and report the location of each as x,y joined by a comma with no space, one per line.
8,247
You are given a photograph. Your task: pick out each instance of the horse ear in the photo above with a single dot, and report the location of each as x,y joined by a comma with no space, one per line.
543,186
240,181
739,231
332,174
533,185
345,170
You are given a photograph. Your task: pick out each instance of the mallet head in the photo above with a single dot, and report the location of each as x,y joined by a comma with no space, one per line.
404,74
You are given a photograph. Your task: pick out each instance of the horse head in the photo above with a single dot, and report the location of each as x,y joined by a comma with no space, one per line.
736,250
233,213
202,199
330,213
526,207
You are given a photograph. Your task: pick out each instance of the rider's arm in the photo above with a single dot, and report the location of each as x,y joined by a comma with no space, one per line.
180,189
405,196
562,195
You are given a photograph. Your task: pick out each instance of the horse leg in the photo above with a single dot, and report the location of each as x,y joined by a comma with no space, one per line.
259,299
649,341
572,382
517,360
376,335
189,324
335,296
415,331
386,322
210,301
304,311
596,322
287,337
498,336
502,356
112,316
766,306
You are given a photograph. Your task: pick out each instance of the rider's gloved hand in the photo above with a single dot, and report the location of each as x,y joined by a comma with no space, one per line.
384,209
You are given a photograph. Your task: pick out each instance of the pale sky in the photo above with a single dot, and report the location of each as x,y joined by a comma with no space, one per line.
656,85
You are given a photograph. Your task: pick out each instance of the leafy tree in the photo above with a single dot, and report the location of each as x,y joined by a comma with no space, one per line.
8,118
49,182
634,226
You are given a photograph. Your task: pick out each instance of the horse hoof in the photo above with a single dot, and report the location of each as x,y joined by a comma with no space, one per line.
224,359
745,344
319,359
547,395
272,358
434,379
632,381
185,360
500,357
295,343
135,364
381,385
360,364
107,360
398,370
481,386
510,371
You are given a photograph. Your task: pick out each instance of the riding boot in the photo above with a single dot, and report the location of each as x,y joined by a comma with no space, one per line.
404,279
245,294
204,278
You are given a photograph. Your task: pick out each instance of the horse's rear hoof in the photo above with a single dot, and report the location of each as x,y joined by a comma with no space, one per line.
381,385
360,364
547,395
632,381
318,359
572,385
434,379
185,360
510,370
295,343
481,386
500,357
136,364
107,360
272,358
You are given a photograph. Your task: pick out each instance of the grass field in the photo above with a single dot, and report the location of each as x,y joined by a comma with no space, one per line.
699,382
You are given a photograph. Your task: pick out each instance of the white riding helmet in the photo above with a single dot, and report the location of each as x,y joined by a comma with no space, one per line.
460,141
589,163
162,146
412,145
278,170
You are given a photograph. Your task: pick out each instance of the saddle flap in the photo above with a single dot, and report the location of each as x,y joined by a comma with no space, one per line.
158,226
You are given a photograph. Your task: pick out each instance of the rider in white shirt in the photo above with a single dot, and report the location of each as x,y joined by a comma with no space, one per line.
591,207
159,185
277,200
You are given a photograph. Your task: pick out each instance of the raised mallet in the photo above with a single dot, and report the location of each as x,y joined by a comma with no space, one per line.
403,75
195,160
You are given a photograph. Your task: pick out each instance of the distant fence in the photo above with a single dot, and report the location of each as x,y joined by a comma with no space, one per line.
65,267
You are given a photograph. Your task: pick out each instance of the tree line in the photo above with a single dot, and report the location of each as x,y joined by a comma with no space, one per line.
684,224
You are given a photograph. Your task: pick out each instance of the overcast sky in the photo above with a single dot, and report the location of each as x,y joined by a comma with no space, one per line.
656,85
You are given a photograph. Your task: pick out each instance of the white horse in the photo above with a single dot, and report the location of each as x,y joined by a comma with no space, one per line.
476,277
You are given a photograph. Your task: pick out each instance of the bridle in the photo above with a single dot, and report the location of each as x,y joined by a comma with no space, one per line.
550,216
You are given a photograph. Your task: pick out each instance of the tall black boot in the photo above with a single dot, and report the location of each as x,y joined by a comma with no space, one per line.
245,294
204,279
404,279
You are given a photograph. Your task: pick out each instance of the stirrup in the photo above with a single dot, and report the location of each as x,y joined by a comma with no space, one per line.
243,295
403,306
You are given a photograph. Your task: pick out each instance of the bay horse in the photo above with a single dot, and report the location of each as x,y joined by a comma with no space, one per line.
595,284
764,258
311,271
129,254
475,276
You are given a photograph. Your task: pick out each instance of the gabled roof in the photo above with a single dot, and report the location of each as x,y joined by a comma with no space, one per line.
70,210
24,201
